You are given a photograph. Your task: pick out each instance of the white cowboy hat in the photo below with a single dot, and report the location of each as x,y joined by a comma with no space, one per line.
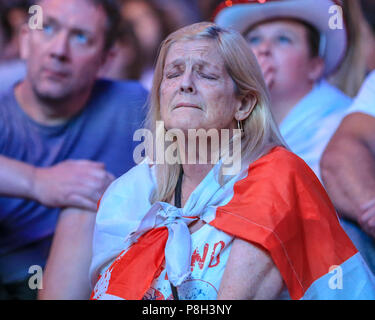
242,14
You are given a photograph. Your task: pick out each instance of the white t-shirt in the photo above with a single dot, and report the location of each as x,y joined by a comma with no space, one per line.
365,100
210,252
311,123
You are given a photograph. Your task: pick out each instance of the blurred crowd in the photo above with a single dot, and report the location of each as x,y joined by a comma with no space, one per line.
145,24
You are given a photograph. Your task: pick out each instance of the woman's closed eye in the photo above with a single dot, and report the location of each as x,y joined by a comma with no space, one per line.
172,75
208,76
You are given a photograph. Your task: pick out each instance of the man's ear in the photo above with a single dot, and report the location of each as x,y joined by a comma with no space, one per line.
246,106
109,54
24,41
105,63
316,69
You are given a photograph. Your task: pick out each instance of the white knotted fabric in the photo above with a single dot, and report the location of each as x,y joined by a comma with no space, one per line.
177,261
125,214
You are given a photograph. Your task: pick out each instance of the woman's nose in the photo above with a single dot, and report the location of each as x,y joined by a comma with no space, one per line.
187,83
187,89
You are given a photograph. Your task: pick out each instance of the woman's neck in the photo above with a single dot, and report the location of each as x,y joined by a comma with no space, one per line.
194,174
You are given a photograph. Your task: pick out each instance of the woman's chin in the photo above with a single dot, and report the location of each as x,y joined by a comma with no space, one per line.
184,125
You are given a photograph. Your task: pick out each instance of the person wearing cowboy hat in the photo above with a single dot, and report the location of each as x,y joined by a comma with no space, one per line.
297,47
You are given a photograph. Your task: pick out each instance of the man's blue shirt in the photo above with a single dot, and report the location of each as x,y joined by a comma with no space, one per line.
102,131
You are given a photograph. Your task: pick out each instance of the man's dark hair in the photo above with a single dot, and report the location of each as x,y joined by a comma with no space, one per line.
112,10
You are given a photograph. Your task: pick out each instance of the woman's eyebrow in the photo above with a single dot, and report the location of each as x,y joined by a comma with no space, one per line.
204,64
174,63
200,63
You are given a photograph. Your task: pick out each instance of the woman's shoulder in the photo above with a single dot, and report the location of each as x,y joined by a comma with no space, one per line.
281,175
139,174
135,183
282,161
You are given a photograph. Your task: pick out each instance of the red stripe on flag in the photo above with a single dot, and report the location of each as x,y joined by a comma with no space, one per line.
133,273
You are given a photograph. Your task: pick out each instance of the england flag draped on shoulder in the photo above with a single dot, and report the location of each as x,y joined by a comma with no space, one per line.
278,204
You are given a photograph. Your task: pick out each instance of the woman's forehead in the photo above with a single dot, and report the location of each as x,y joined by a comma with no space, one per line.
202,51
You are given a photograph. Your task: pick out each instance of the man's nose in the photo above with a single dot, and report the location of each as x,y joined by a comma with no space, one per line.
187,83
60,46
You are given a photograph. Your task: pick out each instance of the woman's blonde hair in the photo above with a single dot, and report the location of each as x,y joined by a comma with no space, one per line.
260,132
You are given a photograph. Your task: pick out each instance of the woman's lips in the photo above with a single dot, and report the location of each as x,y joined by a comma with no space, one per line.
187,105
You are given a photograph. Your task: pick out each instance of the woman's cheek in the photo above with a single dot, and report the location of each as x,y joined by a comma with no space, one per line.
164,94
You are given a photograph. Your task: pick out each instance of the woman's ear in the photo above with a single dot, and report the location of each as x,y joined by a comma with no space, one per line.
316,69
246,106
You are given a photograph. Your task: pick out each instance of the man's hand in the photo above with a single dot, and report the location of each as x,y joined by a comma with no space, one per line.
71,183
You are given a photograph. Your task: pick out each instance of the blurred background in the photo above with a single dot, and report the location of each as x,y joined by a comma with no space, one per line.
147,22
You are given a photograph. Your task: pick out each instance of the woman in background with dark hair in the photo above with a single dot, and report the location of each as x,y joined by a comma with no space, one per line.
360,58
126,60
13,14
146,23
151,26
